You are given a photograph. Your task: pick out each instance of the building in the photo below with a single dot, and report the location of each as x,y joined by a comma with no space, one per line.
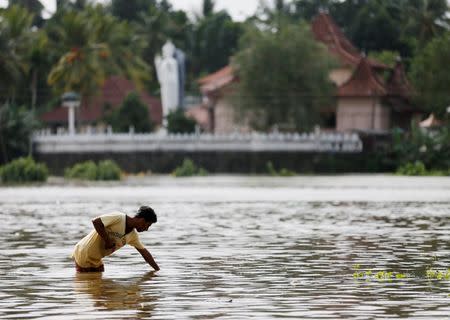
92,110
370,96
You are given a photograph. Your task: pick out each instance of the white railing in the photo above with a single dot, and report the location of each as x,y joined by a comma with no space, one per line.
44,142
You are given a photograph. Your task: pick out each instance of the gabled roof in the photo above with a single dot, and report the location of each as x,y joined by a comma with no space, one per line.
114,90
398,83
327,31
363,83
217,80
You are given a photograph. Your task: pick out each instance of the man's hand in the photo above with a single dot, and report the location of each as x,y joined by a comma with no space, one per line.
148,257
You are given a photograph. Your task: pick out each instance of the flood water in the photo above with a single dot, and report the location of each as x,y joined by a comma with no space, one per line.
232,248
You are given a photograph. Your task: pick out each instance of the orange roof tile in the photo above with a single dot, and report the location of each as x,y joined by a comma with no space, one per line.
217,80
363,83
398,83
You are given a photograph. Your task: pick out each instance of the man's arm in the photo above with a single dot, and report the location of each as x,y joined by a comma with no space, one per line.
100,228
148,257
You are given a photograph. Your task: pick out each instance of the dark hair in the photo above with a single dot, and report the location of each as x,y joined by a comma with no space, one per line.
147,213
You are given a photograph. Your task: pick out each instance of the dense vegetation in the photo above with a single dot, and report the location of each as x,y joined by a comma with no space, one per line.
89,170
23,170
283,71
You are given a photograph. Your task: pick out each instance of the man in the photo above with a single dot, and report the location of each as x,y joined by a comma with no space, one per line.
113,231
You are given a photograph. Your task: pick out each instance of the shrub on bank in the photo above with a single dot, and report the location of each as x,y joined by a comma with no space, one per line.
23,170
188,169
108,170
283,172
417,168
105,170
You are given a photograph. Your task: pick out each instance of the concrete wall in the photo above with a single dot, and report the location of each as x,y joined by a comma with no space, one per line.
217,153
361,114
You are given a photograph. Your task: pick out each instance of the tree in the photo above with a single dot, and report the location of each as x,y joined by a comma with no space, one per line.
94,45
129,9
283,78
33,6
132,112
177,122
15,39
431,77
16,126
215,39
425,19
208,7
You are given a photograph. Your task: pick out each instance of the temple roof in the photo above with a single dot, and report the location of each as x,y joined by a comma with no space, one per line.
327,31
398,83
114,90
217,80
363,83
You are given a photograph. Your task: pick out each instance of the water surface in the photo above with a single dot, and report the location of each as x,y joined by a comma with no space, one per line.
232,248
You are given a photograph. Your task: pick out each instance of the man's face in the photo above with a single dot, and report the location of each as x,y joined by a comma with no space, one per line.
143,225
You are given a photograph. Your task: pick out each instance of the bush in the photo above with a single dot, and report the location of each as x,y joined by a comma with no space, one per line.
283,171
412,169
132,112
16,127
85,170
418,169
430,147
108,170
24,170
188,169
177,122
105,170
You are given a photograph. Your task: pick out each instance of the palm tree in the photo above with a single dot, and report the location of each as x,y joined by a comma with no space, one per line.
15,37
94,45
426,18
79,68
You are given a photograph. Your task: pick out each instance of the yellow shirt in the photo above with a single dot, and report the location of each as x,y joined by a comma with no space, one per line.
90,250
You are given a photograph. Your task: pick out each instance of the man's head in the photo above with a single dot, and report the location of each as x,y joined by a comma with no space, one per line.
147,217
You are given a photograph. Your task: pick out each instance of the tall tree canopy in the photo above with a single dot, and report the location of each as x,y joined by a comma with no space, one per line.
431,77
283,78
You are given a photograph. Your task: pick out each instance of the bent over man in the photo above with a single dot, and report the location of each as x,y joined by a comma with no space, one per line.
113,231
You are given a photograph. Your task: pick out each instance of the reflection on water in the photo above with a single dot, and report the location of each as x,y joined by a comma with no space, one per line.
261,258
111,294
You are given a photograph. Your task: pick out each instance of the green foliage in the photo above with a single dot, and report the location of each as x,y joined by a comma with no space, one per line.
108,170
105,170
385,56
188,169
420,149
430,78
380,275
177,122
16,127
207,49
92,45
433,274
412,169
23,170
132,112
15,39
283,172
283,78
85,171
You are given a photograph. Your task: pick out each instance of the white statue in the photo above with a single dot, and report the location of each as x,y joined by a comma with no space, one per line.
167,72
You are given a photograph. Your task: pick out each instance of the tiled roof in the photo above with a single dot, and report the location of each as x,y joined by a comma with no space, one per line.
327,31
398,84
363,83
114,90
217,80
